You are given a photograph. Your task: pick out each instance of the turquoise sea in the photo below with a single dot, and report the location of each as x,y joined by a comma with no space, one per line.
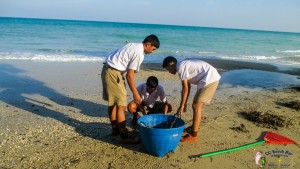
66,40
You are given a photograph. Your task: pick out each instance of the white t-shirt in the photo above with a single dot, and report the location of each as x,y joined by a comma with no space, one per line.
197,72
127,57
149,99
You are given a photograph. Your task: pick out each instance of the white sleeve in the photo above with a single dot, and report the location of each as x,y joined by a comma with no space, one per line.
183,73
139,88
135,63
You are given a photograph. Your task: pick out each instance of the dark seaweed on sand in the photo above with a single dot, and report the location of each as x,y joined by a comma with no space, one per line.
241,128
266,119
296,88
291,104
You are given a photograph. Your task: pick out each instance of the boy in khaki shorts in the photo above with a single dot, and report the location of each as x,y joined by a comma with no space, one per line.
124,61
200,73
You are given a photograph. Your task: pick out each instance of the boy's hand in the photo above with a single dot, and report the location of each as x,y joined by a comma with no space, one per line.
177,115
181,109
137,98
142,109
184,108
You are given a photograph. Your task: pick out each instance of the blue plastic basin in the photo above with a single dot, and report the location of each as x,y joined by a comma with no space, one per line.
157,136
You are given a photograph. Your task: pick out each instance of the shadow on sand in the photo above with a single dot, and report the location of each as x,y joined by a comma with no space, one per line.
19,90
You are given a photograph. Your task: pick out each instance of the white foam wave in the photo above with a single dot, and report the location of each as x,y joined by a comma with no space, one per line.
192,52
206,52
288,51
49,58
281,60
259,57
57,50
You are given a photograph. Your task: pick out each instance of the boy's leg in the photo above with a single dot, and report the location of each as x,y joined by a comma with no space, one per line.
170,107
192,135
112,108
112,114
113,91
197,111
202,96
132,109
121,120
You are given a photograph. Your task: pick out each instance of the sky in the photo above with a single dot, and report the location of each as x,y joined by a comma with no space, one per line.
273,15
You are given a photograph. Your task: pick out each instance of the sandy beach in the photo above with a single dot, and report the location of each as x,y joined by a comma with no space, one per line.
52,116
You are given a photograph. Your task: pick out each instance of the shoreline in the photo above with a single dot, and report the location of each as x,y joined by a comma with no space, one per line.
223,65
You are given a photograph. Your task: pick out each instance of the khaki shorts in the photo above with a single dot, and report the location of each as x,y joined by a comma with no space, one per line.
114,88
206,94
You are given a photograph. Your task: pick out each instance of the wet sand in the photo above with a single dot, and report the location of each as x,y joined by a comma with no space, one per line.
52,116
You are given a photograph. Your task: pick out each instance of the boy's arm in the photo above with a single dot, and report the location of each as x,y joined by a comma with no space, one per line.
163,99
166,108
184,96
132,86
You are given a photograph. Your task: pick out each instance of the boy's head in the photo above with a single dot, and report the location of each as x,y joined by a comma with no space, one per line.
151,43
169,63
152,83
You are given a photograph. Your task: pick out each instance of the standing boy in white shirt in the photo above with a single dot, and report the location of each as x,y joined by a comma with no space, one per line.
126,59
200,73
150,92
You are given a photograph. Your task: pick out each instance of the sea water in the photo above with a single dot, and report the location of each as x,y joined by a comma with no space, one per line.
69,40
258,79
76,41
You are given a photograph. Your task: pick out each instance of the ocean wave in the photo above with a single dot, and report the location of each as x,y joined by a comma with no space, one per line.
155,58
282,60
185,52
291,60
288,51
206,52
57,50
259,57
49,57
70,51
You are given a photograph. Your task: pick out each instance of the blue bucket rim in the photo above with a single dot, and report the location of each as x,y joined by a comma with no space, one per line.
173,128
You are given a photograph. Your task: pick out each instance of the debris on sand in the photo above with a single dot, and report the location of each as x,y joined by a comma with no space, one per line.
291,104
297,88
267,120
241,128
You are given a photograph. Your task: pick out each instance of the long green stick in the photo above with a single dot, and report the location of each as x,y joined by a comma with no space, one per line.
229,150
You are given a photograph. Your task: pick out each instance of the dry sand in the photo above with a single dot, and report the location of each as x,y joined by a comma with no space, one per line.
52,116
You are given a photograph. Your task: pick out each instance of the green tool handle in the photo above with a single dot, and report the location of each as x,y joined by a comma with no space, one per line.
232,149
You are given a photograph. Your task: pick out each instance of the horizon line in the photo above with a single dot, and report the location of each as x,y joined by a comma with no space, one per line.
241,29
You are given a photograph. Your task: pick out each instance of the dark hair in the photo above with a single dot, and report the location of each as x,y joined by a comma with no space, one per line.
168,60
153,39
152,82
